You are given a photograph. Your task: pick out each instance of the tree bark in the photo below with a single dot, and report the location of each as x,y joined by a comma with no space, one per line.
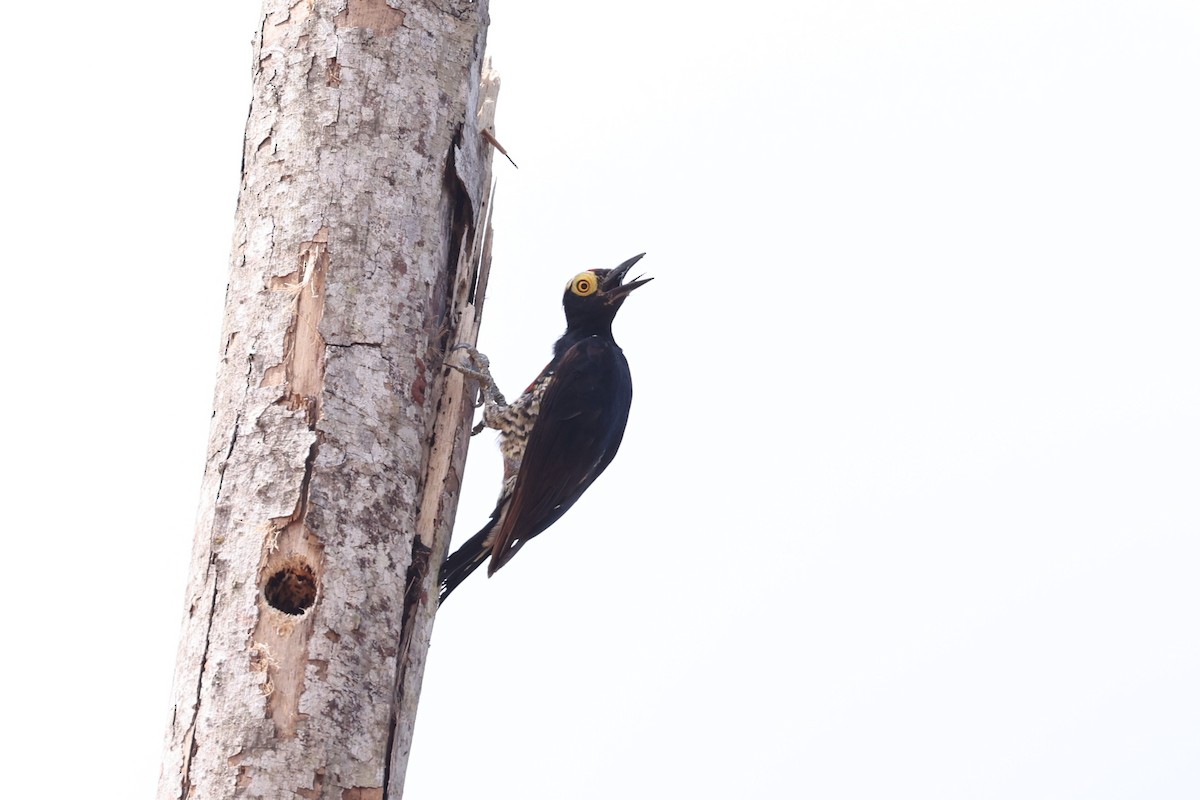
338,437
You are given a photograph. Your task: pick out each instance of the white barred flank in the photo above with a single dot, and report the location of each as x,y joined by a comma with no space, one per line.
515,420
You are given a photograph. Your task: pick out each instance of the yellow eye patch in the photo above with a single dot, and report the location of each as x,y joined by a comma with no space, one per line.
585,283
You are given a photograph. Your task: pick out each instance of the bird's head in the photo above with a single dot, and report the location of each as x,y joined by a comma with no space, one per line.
592,298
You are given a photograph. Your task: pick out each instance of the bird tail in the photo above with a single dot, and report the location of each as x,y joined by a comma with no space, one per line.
467,558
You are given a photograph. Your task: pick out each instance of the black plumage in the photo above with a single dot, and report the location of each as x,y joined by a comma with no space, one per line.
562,432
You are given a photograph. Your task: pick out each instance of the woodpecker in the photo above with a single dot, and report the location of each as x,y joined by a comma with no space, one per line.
559,435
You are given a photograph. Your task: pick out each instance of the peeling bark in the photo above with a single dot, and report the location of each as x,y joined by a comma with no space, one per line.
338,436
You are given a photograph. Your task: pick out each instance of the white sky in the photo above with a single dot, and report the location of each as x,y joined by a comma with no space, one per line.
908,504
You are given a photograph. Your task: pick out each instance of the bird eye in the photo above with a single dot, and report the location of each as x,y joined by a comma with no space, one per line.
584,284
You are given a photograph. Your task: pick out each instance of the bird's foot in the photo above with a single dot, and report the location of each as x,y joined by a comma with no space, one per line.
478,367
477,362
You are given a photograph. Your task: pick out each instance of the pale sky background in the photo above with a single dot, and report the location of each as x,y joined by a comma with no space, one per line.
909,502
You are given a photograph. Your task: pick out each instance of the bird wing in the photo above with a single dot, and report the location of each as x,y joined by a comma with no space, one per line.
577,432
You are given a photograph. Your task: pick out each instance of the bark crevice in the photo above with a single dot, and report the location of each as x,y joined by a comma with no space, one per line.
190,733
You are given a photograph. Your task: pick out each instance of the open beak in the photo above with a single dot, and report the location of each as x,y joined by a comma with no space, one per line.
613,289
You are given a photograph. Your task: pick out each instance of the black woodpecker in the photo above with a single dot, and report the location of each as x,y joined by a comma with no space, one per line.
559,435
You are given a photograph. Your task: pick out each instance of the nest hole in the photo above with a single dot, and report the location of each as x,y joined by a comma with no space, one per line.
292,589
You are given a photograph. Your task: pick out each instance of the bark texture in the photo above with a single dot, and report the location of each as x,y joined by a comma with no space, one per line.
338,437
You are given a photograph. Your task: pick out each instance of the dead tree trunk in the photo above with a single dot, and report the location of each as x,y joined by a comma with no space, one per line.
338,437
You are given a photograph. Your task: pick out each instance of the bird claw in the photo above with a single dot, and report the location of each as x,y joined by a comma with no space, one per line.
477,359
479,368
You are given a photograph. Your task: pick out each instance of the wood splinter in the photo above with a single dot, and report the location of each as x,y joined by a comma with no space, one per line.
491,139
